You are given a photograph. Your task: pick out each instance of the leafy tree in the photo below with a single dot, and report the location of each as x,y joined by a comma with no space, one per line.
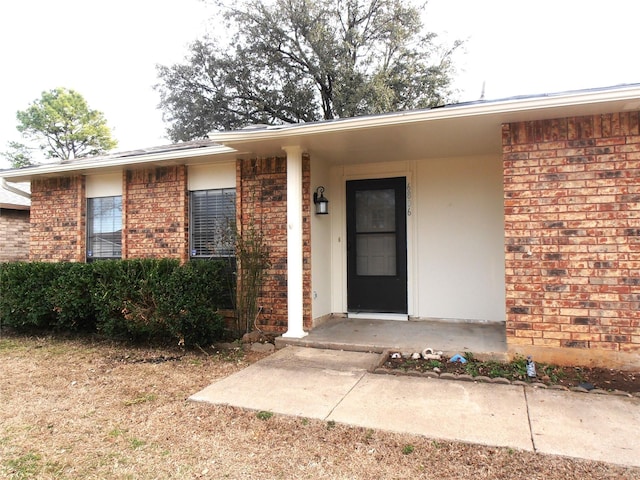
64,126
295,61
19,155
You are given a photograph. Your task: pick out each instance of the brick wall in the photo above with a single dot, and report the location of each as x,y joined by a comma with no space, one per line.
262,200
154,211
14,232
572,238
58,219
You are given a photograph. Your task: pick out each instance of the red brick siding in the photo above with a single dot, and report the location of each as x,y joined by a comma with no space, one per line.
261,198
154,210
572,233
14,232
58,216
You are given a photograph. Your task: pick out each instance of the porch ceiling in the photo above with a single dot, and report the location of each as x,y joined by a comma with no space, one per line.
457,130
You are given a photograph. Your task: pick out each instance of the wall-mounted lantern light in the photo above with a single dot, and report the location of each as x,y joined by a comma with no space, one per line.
322,204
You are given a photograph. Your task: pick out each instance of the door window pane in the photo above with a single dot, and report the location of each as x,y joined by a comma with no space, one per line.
375,232
376,254
375,211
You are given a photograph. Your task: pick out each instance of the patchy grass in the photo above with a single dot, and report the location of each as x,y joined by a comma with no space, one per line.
78,409
262,415
141,399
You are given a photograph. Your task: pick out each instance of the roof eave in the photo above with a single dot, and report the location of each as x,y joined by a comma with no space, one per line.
509,108
110,162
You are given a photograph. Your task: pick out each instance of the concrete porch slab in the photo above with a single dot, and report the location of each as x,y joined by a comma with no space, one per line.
367,335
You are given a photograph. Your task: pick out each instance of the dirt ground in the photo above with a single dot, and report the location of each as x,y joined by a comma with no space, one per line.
87,409
569,377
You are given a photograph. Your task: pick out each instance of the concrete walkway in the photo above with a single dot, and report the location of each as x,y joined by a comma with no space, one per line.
336,385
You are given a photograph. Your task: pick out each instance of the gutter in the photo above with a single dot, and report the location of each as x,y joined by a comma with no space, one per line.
630,94
12,189
115,161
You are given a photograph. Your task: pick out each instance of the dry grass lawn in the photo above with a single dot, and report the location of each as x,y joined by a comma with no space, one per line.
86,409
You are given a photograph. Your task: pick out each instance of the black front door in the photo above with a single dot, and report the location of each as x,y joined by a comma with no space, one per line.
377,245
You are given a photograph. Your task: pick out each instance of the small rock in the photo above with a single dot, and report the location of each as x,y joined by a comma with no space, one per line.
579,389
252,337
501,381
483,379
436,369
620,393
558,387
415,356
263,347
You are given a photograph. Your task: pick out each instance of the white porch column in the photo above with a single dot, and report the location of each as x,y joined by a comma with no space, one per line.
294,243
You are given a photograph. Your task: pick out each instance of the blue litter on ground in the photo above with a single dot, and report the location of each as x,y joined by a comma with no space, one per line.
457,358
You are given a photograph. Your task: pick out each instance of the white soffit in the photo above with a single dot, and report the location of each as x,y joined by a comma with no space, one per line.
456,130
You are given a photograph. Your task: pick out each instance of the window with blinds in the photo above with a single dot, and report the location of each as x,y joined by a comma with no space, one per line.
212,223
104,228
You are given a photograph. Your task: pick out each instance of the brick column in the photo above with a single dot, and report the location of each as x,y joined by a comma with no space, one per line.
572,238
261,201
155,213
58,219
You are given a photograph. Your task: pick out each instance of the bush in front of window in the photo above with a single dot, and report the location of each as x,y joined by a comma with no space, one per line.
159,298
24,303
139,300
124,299
189,300
70,296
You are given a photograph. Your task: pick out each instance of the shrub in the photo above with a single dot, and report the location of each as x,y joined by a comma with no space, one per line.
150,298
189,299
139,299
70,297
24,300
123,297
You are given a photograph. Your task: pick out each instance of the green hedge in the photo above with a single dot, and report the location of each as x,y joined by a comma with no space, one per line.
136,299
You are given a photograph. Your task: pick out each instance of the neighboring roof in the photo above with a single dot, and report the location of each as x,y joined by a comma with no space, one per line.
12,200
471,128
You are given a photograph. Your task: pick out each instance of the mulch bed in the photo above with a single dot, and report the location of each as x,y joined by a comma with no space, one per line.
577,378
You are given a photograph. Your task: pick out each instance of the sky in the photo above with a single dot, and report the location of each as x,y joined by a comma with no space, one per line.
108,52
